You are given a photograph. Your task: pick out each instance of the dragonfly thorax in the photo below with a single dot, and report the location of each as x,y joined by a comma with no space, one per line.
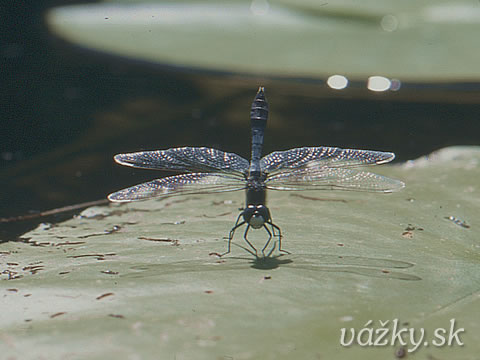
255,193
256,215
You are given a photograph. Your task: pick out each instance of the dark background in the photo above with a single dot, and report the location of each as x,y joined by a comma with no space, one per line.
66,111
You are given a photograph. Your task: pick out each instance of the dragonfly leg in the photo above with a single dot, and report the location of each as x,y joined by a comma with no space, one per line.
232,232
279,235
268,242
248,242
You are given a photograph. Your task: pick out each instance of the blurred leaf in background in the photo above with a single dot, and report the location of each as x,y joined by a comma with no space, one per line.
414,40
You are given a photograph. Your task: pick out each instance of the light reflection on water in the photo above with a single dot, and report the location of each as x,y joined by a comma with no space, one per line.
375,83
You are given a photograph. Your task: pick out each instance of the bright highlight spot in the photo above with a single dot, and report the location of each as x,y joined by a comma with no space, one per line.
337,82
396,85
389,23
378,83
259,7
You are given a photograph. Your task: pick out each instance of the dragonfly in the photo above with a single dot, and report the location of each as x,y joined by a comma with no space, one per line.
208,171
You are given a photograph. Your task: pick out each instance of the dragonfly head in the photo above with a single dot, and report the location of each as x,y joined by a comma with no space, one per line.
256,215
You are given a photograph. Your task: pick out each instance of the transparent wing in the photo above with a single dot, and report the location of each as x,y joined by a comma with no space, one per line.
183,184
186,159
313,178
322,157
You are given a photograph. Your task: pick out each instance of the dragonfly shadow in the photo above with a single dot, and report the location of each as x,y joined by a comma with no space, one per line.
266,263
371,267
358,265
269,263
223,264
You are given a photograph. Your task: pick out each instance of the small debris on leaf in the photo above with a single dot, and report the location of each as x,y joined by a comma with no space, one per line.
104,295
458,222
118,316
57,314
109,272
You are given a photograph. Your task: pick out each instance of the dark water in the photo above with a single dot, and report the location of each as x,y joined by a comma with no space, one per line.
65,112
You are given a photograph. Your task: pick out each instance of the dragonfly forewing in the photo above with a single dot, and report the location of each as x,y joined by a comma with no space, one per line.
322,156
186,159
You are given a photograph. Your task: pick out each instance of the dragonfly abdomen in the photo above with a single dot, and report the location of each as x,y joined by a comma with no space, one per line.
258,117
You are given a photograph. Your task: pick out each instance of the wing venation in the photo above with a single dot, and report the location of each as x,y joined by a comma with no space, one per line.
322,156
183,184
186,159
332,178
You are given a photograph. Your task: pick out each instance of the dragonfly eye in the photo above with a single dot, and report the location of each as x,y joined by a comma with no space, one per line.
263,211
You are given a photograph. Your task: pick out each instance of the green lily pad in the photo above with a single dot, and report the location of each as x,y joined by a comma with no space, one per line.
137,280
411,40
